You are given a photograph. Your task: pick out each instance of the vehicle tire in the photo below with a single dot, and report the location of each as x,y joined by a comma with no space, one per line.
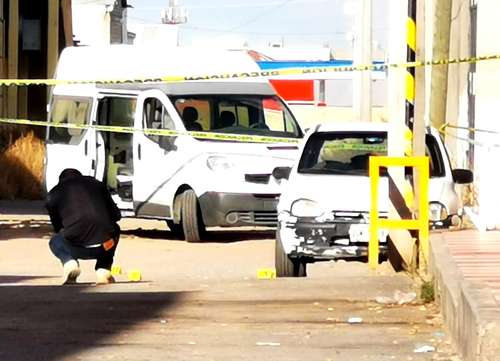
192,221
285,266
175,229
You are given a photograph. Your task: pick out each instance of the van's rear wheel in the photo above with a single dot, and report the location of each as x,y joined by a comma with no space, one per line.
286,266
192,221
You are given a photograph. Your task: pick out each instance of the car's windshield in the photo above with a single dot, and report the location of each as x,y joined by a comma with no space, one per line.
349,152
237,114
342,152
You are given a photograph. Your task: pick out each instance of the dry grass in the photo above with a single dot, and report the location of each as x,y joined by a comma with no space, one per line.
21,166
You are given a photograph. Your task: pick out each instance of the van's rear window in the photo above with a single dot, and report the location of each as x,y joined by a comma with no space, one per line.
66,110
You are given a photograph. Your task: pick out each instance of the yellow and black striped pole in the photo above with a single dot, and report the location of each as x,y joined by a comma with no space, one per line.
411,47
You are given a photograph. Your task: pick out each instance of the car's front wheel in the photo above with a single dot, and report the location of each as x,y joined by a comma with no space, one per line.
286,266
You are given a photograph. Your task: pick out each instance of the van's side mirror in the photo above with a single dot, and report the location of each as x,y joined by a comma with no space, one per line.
282,172
167,143
462,176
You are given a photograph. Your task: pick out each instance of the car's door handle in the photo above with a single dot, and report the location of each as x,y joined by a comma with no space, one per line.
139,151
86,147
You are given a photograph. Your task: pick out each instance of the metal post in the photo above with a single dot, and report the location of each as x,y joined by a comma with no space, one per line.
440,50
411,47
363,56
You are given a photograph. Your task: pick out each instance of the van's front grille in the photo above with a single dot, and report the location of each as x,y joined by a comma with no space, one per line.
262,217
258,218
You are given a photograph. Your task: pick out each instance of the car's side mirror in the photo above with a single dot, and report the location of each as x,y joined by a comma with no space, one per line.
167,143
462,176
282,172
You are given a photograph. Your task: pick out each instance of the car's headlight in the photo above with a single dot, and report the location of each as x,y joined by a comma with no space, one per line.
306,208
437,212
220,164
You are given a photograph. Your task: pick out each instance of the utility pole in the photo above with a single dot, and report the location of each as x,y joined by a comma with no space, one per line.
418,144
440,51
174,14
362,96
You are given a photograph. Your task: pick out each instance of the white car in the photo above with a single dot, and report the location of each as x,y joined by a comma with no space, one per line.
323,212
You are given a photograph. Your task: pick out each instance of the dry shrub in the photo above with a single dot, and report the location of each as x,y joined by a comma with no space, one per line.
21,168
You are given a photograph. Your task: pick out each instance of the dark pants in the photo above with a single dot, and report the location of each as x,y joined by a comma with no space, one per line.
65,251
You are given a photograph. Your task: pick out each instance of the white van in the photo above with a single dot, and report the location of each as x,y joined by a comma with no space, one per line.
188,181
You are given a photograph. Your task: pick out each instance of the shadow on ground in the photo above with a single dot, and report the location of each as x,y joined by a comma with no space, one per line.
212,236
6,279
47,323
25,229
22,208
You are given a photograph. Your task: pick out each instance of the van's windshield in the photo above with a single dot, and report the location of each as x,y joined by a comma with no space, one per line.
237,114
349,152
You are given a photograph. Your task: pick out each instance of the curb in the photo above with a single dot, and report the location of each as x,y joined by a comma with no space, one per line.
469,309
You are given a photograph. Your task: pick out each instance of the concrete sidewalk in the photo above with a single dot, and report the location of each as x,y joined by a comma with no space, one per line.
466,269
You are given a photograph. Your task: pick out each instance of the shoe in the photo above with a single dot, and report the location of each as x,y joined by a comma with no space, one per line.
104,276
71,271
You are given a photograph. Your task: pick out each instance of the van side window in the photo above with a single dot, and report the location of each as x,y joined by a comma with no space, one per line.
66,110
156,116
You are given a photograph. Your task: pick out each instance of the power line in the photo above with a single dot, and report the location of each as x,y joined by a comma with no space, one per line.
196,28
256,17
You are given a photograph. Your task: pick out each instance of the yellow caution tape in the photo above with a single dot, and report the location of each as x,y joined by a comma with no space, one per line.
161,132
255,74
380,148
447,125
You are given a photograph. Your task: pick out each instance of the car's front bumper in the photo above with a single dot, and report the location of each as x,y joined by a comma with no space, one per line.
317,241
451,220
239,209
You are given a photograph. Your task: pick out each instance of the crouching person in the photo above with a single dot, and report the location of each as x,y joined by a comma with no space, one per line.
84,217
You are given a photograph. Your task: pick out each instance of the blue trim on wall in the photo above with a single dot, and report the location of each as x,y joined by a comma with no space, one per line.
272,65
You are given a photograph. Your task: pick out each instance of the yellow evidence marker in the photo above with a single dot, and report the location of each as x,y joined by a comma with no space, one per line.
266,273
134,275
116,270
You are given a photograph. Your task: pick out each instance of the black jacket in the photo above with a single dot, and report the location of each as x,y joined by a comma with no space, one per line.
82,208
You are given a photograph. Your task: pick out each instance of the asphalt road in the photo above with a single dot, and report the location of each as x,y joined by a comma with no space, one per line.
201,302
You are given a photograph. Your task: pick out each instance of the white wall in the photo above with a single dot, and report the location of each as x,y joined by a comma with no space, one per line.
487,90
91,22
156,34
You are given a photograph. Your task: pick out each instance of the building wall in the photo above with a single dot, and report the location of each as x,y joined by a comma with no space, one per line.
474,101
109,25
487,112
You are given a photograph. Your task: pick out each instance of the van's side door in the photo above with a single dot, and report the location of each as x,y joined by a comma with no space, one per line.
67,147
156,158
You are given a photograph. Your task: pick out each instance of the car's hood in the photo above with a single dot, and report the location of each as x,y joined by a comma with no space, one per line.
254,157
334,192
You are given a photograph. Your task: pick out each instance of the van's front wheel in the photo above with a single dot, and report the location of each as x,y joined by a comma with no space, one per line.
175,229
192,221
